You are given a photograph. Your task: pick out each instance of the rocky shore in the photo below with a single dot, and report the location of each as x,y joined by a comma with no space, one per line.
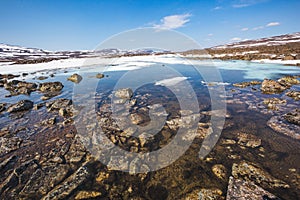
42,155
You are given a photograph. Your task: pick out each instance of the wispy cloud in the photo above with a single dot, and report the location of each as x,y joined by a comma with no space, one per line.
273,24
210,35
236,39
265,26
217,8
245,29
246,3
173,21
258,28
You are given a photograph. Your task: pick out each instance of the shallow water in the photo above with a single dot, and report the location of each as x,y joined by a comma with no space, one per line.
277,155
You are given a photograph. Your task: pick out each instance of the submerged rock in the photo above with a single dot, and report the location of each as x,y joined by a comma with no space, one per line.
58,104
76,78
288,81
293,117
272,87
250,172
246,84
16,87
22,105
281,125
272,102
2,107
87,194
124,93
51,86
99,75
248,140
293,94
220,171
210,194
9,144
243,190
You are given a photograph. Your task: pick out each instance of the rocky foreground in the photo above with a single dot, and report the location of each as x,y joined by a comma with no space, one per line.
42,156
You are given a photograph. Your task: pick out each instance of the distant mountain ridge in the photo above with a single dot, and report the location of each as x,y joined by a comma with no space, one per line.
282,47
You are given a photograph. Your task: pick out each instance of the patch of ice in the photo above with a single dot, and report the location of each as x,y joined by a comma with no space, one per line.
171,81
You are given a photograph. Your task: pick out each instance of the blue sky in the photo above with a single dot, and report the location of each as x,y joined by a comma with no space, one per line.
78,25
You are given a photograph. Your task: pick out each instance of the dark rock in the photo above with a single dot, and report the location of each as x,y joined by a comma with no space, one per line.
64,189
44,179
50,95
76,78
9,144
8,76
22,105
38,106
42,77
293,117
2,107
51,86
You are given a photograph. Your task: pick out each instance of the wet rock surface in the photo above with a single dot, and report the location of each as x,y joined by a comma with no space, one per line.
22,105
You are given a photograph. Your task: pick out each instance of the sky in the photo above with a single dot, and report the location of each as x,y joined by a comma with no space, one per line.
82,25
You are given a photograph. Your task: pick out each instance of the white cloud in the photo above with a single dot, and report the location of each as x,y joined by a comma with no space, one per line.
235,39
258,28
246,3
240,5
273,24
173,21
209,35
245,29
217,8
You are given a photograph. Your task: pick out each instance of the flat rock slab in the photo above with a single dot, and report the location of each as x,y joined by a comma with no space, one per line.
245,190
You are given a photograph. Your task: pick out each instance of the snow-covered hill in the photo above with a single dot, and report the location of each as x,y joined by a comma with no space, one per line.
270,41
283,49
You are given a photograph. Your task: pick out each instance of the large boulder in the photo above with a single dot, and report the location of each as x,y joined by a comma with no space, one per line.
76,78
22,105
